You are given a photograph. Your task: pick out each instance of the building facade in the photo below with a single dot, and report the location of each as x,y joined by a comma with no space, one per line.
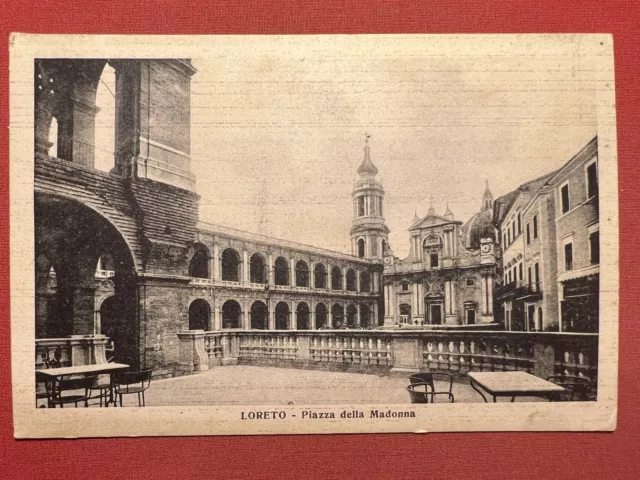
123,254
575,189
549,237
448,277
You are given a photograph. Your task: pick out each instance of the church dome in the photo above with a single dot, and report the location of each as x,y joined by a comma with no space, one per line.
479,226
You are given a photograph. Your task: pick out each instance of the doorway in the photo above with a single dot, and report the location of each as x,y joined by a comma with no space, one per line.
435,313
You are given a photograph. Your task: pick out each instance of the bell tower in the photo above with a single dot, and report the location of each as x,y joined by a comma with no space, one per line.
369,233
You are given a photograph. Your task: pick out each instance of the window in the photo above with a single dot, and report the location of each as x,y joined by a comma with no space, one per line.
520,271
529,275
535,227
405,286
361,206
519,224
470,282
594,247
564,197
528,234
433,260
568,256
361,245
509,236
513,229
471,317
536,269
505,240
592,180
506,279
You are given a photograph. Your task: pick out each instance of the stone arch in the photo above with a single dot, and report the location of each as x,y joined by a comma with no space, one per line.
257,268
302,274
362,244
336,278
352,314
231,314
259,316
199,262
320,276
321,316
283,315
352,282
199,315
231,262
337,316
75,235
303,316
281,271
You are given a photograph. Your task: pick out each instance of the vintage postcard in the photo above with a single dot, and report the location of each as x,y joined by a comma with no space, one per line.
312,234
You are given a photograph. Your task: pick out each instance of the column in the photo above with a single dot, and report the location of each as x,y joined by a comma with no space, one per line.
293,316
272,316
375,287
344,278
216,262
245,266
357,319
447,297
271,270
374,314
420,297
217,318
490,295
245,318
358,281
414,300
292,274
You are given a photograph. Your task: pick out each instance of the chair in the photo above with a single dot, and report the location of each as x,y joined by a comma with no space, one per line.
428,379
577,388
418,396
56,391
42,391
132,382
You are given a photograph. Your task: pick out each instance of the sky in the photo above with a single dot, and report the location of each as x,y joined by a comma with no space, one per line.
278,127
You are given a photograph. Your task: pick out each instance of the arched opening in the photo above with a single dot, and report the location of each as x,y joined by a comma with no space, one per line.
432,247
199,315
336,278
231,312
259,316
321,316
405,313
320,274
74,237
257,269
352,284
281,271
302,274
105,120
230,265
111,309
352,314
365,281
365,316
199,264
282,316
337,316
302,316
361,248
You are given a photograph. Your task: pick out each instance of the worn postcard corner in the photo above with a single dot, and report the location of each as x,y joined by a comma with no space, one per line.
313,234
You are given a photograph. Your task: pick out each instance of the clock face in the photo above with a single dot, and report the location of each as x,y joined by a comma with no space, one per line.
486,248
387,260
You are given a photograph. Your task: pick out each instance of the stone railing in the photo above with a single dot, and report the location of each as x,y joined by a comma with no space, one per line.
400,351
71,351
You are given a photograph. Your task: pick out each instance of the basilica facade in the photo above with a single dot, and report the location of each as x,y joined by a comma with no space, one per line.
448,277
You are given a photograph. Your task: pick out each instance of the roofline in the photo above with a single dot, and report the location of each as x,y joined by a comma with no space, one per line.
594,140
259,238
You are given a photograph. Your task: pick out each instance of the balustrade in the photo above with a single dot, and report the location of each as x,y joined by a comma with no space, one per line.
268,346
351,348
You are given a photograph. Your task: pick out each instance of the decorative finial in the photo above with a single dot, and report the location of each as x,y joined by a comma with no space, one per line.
432,211
367,166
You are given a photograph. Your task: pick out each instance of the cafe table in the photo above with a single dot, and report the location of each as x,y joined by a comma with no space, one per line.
53,375
512,384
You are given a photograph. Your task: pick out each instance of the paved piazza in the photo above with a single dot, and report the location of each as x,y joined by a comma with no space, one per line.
247,385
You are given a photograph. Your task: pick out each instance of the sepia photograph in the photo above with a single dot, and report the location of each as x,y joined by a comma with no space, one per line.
313,234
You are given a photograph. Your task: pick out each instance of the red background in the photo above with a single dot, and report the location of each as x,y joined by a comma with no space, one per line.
477,456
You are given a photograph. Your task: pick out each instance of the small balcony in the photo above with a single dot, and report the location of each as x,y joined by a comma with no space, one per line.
530,291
